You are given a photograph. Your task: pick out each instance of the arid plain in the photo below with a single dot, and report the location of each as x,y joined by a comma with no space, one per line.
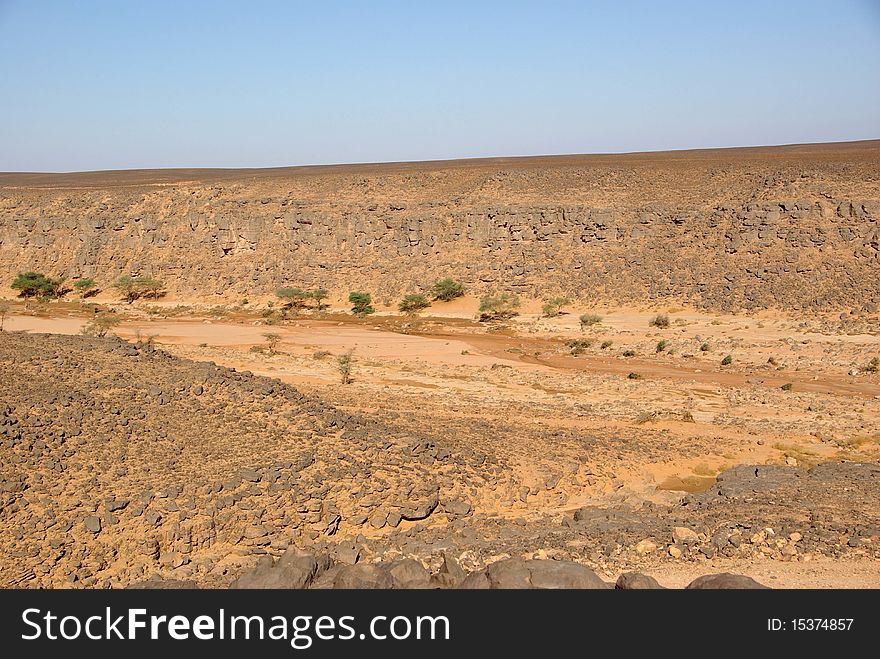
684,377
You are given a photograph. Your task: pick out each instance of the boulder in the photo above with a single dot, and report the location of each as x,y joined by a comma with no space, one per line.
636,581
725,580
295,569
363,577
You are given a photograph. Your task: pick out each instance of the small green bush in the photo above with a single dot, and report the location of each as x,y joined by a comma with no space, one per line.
704,347
344,363
447,289
787,386
362,303
661,346
413,303
629,353
606,344
498,307
634,376
100,325
872,366
588,319
660,320
578,346
727,361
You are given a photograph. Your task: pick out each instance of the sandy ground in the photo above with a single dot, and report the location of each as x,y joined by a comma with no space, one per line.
682,418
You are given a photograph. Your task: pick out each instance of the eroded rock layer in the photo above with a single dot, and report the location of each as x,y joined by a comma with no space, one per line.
783,227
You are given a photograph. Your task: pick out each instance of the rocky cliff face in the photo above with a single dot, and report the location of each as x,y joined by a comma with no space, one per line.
722,230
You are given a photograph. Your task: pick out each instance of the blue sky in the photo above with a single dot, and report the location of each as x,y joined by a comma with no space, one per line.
107,84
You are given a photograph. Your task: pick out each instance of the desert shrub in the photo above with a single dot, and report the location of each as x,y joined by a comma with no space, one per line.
629,353
553,307
772,361
660,320
606,344
33,284
133,288
787,386
361,303
634,376
321,354
588,319
704,347
272,341
413,303
344,364
292,297
86,287
661,346
578,346
100,324
687,416
498,307
872,366
447,289
727,361
244,302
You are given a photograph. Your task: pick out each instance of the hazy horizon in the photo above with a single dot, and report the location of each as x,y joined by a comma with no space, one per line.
106,86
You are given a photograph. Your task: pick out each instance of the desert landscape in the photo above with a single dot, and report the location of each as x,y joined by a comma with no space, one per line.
567,371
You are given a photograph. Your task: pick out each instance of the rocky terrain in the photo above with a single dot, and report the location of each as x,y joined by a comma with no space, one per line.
122,464
781,227
209,440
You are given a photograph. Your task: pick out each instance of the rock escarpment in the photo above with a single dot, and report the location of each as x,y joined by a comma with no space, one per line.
767,228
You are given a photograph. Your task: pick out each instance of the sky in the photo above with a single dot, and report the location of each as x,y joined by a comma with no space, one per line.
103,84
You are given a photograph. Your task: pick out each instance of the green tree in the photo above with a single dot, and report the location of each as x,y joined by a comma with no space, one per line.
319,295
133,288
553,307
86,287
362,303
31,284
414,303
497,307
447,289
293,298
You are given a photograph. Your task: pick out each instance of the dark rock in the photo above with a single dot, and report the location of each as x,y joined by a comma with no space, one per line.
295,569
636,581
449,575
362,577
409,573
93,523
724,580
